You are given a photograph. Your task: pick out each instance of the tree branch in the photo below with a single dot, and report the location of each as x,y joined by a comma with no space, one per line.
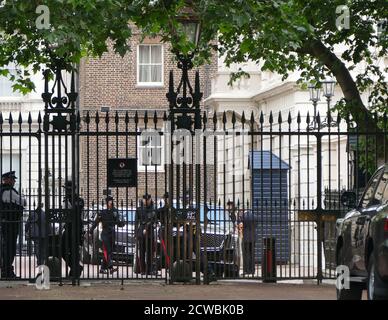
359,112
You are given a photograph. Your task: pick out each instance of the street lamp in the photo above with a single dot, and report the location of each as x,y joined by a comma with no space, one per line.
185,114
328,86
315,92
185,101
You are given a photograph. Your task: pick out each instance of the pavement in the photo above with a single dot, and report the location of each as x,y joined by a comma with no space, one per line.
159,290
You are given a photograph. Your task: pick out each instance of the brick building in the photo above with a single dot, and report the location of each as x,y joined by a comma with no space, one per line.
115,89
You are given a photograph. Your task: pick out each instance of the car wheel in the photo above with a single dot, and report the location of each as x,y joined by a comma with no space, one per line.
373,280
355,288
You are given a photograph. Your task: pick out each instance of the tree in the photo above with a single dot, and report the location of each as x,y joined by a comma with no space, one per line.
282,35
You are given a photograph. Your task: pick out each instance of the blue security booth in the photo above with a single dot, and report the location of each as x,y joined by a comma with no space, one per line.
269,186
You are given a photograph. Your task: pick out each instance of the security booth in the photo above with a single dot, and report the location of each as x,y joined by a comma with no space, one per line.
269,185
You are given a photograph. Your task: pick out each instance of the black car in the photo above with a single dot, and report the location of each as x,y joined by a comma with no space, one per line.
362,239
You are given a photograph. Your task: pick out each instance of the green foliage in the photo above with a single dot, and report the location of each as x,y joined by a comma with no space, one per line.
281,36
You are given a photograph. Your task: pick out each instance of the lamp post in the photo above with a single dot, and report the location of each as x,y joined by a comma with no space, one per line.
184,101
314,91
185,114
328,91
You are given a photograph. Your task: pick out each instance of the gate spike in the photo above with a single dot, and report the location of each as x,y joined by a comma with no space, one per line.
308,118
155,117
289,119
136,118
145,117
126,118
270,117
318,119
247,203
10,120
117,117
252,120
261,117
97,119
215,118
107,117
39,118
1,118
280,119
238,203
204,118
164,116
29,120
210,202
132,203
20,119
224,118
298,118
243,118
87,118
234,118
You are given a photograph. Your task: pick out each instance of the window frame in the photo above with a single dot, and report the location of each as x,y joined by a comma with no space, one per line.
150,83
151,167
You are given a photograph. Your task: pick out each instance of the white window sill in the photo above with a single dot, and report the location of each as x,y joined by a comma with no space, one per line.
150,86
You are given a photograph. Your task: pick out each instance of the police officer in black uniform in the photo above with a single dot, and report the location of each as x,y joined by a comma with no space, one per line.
72,258
145,215
109,218
11,211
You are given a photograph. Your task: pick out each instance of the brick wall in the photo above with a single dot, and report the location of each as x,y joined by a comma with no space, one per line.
112,81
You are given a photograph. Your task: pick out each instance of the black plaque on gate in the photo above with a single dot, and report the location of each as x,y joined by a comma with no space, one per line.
122,172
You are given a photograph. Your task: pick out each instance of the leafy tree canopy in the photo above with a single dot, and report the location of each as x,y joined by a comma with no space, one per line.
283,36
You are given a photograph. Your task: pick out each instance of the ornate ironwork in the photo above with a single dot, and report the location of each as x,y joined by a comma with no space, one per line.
59,101
185,102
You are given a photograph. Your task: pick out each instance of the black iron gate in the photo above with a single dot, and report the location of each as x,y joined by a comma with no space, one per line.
197,197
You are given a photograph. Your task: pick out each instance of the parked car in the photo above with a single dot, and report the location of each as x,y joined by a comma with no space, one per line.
362,239
124,246
218,240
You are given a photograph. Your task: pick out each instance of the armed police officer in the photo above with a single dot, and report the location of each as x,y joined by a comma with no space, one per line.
11,212
73,227
145,216
109,218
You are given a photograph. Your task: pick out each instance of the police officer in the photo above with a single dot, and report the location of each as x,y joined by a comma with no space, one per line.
145,214
108,217
11,211
72,258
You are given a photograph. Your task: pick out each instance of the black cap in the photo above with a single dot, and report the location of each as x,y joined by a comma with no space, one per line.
109,198
68,184
10,174
230,202
166,195
146,196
